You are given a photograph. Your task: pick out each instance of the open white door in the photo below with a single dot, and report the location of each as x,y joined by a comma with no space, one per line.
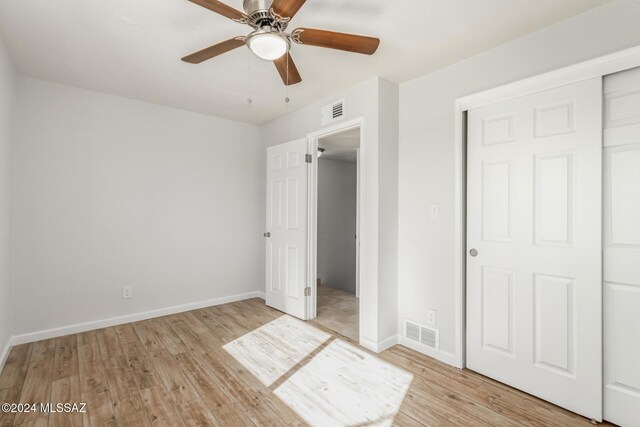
286,234
534,269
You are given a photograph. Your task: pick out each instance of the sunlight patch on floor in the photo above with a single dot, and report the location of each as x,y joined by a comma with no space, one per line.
273,349
345,386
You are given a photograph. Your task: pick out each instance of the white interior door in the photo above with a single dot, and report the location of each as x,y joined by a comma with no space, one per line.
622,248
534,297
286,234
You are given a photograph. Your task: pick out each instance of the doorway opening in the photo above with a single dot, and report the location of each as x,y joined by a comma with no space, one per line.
337,238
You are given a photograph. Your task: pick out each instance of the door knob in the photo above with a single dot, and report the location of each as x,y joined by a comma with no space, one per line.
267,234
473,252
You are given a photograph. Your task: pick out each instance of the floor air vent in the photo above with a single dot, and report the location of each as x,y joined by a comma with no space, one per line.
412,331
424,335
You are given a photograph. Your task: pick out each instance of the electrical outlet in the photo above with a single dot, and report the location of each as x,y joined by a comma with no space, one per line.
434,211
431,317
126,292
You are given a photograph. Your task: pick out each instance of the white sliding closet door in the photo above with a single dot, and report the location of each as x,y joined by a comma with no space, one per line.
622,248
534,286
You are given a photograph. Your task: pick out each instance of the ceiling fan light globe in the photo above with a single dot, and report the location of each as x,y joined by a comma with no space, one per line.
268,46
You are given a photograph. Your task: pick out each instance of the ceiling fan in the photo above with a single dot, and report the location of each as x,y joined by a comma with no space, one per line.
270,41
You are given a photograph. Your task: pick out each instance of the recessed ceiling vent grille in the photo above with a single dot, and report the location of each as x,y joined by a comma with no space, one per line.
421,334
332,112
337,110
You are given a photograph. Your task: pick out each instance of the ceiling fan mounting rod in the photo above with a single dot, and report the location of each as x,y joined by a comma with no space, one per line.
253,6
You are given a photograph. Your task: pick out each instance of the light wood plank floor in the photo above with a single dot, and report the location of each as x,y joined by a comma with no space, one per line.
172,371
338,311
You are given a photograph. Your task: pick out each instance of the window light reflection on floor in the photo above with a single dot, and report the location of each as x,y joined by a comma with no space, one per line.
273,349
341,385
345,386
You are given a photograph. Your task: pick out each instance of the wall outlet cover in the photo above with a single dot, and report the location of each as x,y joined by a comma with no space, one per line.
431,317
434,211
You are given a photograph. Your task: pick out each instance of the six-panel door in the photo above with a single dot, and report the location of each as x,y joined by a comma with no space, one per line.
286,246
534,217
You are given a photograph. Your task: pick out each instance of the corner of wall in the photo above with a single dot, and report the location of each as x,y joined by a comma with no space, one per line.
388,123
9,87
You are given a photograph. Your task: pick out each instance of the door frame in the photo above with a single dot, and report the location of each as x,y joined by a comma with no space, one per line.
312,263
598,67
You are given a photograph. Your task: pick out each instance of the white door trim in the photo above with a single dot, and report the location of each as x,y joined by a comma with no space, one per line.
358,210
313,207
598,67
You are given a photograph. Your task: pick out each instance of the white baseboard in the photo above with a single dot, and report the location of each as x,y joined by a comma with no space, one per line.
5,353
387,343
262,295
442,356
113,321
378,346
369,344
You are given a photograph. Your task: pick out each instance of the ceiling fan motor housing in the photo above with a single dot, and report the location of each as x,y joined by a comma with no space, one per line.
259,12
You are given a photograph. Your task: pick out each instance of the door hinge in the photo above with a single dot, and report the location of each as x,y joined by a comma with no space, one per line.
308,158
307,292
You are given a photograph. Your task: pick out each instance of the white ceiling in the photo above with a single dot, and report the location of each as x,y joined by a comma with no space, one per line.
133,48
341,146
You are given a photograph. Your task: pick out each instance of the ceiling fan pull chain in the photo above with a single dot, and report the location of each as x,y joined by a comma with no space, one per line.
249,99
286,99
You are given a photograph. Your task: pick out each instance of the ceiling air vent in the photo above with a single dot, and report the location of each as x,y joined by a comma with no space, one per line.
332,112
421,334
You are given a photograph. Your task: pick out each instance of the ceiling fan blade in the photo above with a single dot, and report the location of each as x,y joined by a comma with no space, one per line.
332,40
215,50
223,10
293,76
287,8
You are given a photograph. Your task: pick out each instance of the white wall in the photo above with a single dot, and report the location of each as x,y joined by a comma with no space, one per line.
337,205
426,247
7,89
377,318
111,192
388,129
